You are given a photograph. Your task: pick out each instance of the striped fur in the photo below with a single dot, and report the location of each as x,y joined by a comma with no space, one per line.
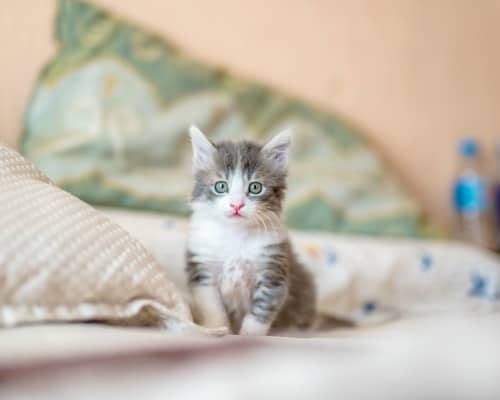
242,271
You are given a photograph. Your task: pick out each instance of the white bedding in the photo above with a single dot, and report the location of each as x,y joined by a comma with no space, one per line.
445,347
428,358
362,280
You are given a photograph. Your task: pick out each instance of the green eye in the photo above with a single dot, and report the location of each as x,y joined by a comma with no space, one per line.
255,187
220,187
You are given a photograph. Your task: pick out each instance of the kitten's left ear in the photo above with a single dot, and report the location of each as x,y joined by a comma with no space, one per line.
277,148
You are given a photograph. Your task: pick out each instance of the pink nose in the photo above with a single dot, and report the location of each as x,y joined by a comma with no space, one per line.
237,207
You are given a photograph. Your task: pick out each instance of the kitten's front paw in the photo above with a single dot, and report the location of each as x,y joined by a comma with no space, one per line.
219,332
251,326
215,321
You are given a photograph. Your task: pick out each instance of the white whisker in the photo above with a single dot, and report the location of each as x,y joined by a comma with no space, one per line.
262,221
268,218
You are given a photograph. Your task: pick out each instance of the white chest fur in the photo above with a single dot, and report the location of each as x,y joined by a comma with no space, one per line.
234,254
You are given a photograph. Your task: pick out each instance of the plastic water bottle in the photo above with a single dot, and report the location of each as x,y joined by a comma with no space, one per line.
470,196
496,194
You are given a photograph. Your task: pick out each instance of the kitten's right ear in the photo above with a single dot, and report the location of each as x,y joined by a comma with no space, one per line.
203,149
277,149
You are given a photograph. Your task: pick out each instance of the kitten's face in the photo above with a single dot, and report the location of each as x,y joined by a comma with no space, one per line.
241,183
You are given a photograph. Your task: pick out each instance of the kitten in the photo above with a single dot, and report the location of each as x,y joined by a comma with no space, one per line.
241,269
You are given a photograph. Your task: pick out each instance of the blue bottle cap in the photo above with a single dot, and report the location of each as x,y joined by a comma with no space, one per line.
469,148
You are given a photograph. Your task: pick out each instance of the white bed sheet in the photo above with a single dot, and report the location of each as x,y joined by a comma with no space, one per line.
453,357
360,279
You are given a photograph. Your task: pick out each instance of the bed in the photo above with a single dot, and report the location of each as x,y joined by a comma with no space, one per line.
437,342
430,329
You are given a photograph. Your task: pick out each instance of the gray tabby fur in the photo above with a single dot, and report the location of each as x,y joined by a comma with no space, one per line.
281,292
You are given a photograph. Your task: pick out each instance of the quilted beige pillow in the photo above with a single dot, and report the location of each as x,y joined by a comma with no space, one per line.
61,260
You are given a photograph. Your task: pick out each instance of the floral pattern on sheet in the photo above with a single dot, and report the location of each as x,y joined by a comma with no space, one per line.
368,280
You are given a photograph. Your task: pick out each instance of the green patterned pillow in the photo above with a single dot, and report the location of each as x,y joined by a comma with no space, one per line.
108,122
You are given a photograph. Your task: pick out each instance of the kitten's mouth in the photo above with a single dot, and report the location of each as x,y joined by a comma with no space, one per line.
236,214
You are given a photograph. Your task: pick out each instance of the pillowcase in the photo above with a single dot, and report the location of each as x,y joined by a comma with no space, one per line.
61,260
108,122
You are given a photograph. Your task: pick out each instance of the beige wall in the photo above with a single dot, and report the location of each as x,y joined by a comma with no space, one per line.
415,75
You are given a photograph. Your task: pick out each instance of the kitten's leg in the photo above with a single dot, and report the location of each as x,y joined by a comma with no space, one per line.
269,295
208,305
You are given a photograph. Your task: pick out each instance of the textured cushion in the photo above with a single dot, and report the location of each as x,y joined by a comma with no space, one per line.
62,260
108,122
